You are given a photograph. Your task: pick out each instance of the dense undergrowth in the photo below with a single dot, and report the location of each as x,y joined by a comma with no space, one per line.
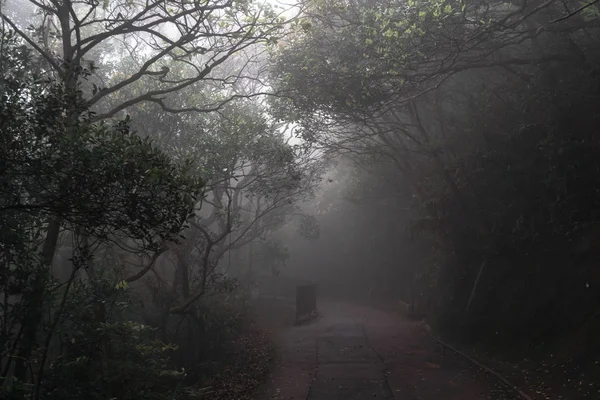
529,240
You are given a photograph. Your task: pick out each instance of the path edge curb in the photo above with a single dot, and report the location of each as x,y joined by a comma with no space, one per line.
501,378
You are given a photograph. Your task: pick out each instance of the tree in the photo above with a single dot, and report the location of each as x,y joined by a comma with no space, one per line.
73,37
99,179
469,102
358,77
158,38
253,180
362,81
361,60
271,255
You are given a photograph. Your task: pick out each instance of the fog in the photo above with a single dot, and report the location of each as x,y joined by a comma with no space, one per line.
217,199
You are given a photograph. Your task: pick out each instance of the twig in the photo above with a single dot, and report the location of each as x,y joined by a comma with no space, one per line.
148,267
580,9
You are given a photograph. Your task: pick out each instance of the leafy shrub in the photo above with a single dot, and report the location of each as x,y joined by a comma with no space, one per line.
205,334
106,356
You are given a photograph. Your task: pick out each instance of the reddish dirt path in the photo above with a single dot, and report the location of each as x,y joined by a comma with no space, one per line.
356,352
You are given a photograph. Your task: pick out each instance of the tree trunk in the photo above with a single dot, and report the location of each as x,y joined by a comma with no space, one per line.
182,270
35,303
250,261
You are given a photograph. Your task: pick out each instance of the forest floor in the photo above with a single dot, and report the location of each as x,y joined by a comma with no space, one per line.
354,352
244,363
556,377
243,370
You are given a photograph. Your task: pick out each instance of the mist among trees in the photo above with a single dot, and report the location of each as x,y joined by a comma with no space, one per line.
160,159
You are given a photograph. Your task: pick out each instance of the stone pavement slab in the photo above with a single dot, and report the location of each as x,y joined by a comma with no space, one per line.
349,389
351,371
356,352
345,349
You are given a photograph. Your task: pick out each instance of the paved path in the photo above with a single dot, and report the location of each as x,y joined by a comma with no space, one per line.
355,353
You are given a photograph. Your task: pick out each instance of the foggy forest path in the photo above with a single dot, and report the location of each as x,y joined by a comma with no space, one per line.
357,352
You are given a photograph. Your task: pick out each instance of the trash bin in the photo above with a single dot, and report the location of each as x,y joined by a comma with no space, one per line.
306,302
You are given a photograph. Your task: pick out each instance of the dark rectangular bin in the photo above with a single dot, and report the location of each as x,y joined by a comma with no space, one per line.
306,302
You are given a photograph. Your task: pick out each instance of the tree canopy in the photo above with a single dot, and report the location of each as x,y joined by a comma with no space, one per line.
479,107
